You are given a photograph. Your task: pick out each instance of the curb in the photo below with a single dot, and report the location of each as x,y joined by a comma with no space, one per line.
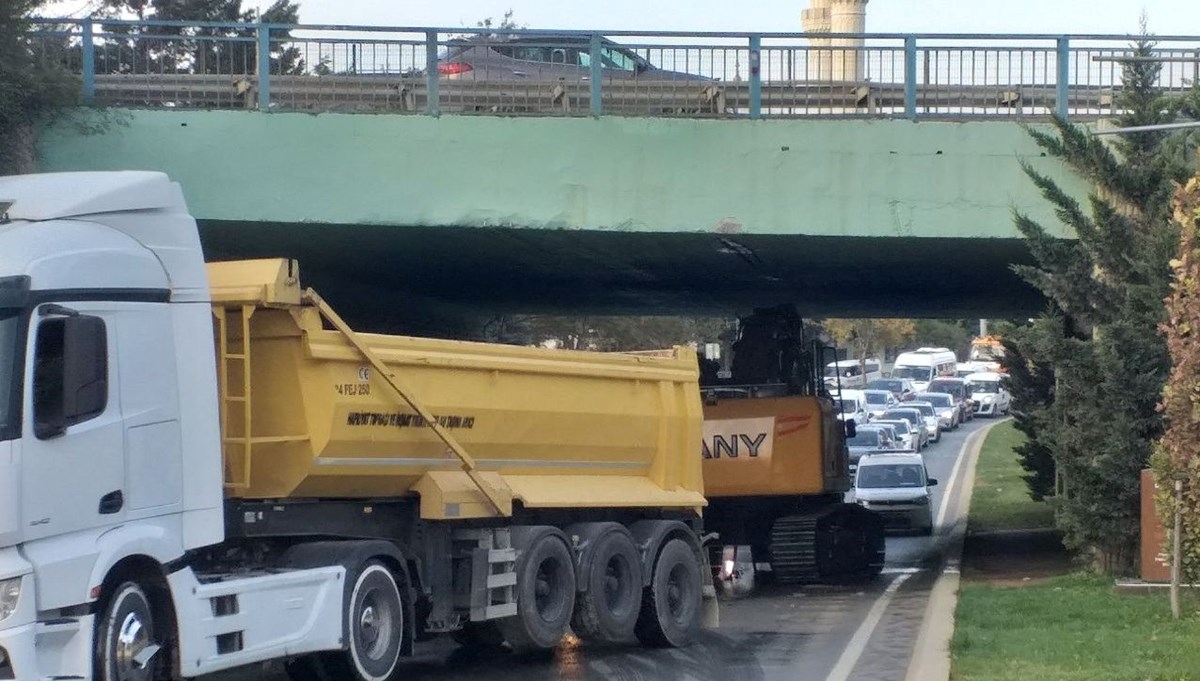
931,653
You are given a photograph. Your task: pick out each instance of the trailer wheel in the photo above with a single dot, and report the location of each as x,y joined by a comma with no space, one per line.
374,628
670,615
128,646
608,610
545,596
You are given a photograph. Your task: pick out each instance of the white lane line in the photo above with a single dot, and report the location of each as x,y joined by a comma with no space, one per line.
858,643
949,493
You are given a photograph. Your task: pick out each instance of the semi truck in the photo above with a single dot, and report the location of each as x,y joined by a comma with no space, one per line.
776,467
202,466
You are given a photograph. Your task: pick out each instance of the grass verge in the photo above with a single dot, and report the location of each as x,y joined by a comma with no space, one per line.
1071,628
1001,499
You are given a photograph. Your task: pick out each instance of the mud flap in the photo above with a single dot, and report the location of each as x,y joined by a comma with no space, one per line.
710,616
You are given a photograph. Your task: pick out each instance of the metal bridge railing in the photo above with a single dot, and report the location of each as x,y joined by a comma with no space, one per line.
577,73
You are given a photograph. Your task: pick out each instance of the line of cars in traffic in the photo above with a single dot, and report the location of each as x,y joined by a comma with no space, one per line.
894,418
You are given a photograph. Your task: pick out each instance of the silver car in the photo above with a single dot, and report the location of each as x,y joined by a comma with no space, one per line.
907,437
932,428
946,408
897,487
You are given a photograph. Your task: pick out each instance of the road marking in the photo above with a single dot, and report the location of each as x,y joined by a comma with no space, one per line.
949,494
858,642
900,571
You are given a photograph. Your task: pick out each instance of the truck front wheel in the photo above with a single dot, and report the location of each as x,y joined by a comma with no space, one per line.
127,645
374,627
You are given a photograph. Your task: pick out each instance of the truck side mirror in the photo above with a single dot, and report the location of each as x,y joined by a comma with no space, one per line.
931,482
851,428
70,381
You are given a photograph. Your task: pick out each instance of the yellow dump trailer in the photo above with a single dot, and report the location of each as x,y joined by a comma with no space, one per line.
584,462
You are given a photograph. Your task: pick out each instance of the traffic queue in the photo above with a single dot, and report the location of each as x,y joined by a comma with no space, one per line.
891,419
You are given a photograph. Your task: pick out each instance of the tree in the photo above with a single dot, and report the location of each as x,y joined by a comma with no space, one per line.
1176,455
864,337
197,49
33,85
1098,340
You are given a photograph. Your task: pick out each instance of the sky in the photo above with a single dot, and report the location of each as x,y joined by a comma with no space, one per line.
1166,17
883,16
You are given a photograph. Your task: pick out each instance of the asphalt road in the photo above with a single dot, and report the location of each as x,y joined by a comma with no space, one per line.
813,633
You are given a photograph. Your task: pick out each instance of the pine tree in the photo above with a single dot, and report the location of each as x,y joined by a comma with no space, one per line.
1099,340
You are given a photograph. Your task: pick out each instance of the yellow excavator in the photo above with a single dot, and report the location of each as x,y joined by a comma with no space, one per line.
776,468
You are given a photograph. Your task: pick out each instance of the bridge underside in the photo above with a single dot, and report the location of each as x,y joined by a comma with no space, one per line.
424,278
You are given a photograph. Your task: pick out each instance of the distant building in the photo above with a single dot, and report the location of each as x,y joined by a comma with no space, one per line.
843,60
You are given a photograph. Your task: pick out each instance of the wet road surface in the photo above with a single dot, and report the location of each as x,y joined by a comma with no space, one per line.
817,633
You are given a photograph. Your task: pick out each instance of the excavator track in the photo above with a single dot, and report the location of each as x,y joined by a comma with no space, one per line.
840,543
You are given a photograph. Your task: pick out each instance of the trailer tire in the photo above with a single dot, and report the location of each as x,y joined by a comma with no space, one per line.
374,628
670,615
126,631
545,596
608,610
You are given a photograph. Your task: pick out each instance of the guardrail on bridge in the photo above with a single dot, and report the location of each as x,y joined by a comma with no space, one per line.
319,68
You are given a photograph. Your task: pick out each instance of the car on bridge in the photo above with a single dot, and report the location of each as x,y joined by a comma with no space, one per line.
915,421
549,58
879,401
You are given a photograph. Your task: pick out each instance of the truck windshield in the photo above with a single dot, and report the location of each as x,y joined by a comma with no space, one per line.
9,345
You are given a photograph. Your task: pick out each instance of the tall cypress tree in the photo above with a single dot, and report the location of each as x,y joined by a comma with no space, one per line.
1099,337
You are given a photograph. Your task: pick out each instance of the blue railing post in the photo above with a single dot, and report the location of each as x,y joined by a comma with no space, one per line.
1064,78
910,78
432,75
88,62
755,76
264,67
594,76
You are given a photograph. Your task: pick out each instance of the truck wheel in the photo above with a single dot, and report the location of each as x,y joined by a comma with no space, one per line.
545,596
374,628
608,610
128,647
670,614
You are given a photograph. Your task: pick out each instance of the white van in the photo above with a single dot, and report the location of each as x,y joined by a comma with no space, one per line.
925,364
848,373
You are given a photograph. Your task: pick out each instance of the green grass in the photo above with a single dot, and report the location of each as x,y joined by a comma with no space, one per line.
1001,499
1072,628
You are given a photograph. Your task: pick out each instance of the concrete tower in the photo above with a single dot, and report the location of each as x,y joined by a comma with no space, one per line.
845,61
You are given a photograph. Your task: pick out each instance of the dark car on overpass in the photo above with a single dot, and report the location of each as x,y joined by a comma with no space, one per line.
548,58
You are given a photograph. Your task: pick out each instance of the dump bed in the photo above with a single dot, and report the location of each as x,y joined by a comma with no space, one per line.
306,415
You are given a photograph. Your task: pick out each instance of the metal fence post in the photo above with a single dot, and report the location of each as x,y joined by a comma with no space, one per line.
432,75
594,51
910,78
88,63
264,67
755,77
1063,105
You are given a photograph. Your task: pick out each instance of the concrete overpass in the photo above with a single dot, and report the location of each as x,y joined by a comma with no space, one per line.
426,217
